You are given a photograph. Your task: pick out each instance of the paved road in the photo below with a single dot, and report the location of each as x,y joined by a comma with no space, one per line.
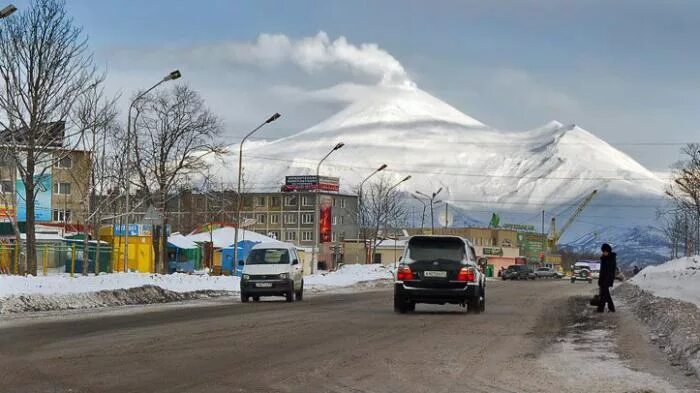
335,343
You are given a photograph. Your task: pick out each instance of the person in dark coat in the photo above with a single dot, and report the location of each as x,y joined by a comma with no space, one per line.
608,267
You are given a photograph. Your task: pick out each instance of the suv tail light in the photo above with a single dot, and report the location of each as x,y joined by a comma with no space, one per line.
466,274
404,273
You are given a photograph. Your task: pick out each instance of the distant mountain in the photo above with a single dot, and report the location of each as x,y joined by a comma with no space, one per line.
641,246
481,170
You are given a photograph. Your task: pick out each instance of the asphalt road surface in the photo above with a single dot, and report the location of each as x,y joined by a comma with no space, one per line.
335,343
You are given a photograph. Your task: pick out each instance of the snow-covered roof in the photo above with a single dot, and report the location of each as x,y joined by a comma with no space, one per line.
44,236
180,241
391,243
224,237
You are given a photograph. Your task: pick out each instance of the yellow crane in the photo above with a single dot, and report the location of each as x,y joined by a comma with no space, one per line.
554,236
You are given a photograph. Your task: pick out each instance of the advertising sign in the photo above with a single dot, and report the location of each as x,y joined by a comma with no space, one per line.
306,183
493,251
519,227
531,244
325,221
6,211
42,204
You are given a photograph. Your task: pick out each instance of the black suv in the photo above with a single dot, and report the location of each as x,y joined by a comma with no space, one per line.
518,272
439,270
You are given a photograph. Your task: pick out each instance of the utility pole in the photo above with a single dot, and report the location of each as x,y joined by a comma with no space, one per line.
446,214
543,222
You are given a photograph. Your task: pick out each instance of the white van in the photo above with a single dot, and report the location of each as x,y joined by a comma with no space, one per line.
272,269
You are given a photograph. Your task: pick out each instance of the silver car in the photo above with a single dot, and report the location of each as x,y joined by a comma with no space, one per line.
547,272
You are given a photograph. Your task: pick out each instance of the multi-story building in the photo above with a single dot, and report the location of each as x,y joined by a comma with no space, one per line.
62,190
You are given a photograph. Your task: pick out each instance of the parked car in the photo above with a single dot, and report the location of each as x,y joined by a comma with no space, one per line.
272,269
581,272
518,272
547,272
439,270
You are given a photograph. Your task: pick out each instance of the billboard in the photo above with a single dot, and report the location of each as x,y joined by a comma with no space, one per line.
325,221
42,202
306,183
6,212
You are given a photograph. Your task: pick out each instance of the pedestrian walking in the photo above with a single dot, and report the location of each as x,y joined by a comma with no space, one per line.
608,267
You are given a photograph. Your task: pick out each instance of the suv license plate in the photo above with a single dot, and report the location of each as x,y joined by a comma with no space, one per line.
263,285
440,274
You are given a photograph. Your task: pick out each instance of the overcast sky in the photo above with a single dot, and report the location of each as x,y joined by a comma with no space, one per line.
624,70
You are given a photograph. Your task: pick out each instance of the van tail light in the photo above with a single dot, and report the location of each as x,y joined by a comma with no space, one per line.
404,273
466,274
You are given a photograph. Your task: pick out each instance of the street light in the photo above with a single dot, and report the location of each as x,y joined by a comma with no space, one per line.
317,207
432,202
7,11
238,192
397,184
171,76
362,216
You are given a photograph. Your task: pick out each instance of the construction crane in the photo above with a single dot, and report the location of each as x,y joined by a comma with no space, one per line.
554,236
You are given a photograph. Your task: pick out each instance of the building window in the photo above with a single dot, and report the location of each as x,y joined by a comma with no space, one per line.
261,218
61,188
335,220
290,236
274,234
247,201
65,163
274,218
342,236
275,201
307,236
61,215
307,218
290,218
333,237
306,201
6,186
5,159
334,202
290,200
259,201
342,220
342,203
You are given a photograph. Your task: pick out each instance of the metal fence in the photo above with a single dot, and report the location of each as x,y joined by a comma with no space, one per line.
58,258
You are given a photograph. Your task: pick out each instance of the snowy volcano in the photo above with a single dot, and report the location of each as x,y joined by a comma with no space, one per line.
482,170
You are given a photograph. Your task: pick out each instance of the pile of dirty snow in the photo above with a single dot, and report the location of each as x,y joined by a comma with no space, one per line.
347,276
677,279
64,284
62,292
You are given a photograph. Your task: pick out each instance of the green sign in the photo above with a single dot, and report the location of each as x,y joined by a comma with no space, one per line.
519,227
531,244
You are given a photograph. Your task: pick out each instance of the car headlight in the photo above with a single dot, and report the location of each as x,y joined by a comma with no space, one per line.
246,277
284,276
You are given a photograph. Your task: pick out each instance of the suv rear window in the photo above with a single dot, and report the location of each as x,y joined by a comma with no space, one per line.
434,248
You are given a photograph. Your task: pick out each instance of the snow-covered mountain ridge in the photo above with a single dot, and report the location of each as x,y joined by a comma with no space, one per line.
481,169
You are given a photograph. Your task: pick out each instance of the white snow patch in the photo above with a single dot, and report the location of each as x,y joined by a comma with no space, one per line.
676,279
348,275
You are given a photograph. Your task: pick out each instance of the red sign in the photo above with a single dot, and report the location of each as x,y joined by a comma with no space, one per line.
310,183
325,221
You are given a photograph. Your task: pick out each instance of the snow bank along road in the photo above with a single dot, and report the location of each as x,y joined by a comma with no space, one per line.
535,337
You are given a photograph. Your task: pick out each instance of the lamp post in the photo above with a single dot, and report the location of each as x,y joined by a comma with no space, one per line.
317,207
361,206
238,192
432,202
422,217
7,11
171,76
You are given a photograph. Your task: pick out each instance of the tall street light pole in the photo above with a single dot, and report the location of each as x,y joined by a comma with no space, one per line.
317,231
240,178
422,218
432,201
361,206
171,76
7,11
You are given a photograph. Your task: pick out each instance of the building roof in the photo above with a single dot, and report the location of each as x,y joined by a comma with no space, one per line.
178,240
224,237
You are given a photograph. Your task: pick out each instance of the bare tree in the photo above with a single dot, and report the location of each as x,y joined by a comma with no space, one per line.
684,194
381,207
97,115
45,68
174,131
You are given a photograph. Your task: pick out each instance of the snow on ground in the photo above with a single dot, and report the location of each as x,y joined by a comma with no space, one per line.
677,279
19,293
586,362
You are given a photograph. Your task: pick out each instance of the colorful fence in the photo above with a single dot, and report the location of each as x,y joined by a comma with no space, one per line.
58,258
